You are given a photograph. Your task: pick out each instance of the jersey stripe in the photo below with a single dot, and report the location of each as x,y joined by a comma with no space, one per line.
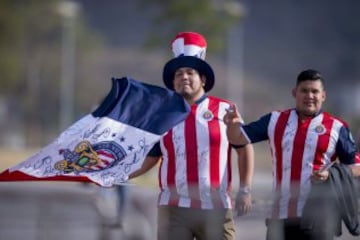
278,135
296,164
214,147
225,162
192,158
214,144
203,117
170,178
323,143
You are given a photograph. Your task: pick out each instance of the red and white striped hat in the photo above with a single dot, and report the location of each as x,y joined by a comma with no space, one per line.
189,50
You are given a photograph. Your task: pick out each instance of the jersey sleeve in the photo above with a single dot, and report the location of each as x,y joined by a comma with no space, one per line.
258,130
155,151
346,148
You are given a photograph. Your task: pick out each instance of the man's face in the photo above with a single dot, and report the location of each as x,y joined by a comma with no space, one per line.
188,83
309,97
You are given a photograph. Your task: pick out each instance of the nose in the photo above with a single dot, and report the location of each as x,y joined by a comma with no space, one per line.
184,75
309,94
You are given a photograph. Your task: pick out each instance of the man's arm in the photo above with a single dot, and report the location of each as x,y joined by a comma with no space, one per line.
347,151
246,165
243,201
148,163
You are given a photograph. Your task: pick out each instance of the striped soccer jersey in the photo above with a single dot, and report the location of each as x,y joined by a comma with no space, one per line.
297,149
195,171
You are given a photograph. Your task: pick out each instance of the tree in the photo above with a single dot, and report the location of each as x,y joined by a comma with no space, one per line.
211,18
30,48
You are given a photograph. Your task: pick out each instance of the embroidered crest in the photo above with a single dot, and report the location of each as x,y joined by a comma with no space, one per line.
89,158
208,115
320,129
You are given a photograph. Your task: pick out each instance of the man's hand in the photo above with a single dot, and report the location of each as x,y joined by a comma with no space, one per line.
243,203
232,116
233,120
322,174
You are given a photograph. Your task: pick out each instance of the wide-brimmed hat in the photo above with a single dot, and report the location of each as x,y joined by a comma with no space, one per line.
189,50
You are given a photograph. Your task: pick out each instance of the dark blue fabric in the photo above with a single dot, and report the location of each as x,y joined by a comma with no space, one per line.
155,151
257,131
345,146
148,107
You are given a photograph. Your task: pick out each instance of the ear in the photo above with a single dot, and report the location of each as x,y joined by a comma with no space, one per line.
324,95
203,80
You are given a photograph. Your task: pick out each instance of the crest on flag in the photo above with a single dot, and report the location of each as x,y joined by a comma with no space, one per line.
90,158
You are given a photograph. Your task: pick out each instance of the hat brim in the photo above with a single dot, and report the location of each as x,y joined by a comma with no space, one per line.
191,62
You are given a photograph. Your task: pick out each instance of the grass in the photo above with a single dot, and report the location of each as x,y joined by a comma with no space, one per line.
12,157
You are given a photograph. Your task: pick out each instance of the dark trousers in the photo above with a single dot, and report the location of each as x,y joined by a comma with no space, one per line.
291,229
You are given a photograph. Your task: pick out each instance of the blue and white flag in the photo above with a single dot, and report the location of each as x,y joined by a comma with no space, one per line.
107,145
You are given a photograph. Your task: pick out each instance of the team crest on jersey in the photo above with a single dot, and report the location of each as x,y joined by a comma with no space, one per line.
90,158
320,129
208,115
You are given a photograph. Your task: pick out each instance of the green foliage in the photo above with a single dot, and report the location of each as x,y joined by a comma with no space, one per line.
31,38
25,26
31,35
203,16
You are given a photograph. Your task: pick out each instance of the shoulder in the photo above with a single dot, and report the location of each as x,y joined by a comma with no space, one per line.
282,111
335,118
218,99
285,112
213,102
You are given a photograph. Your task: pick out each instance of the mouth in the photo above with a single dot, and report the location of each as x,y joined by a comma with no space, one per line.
186,85
309,104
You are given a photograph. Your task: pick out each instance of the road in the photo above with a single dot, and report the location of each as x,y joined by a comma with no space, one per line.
58,211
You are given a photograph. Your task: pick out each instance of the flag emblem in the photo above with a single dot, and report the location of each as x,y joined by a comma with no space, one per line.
89,158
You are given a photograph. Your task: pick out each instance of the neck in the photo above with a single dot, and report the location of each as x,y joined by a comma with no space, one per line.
192,99
303,116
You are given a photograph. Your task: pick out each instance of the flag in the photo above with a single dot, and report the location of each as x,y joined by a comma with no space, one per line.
110,143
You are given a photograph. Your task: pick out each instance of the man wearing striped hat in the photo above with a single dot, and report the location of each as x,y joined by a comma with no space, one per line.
195,200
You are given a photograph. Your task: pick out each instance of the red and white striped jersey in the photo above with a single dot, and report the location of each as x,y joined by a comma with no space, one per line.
195,171
297,149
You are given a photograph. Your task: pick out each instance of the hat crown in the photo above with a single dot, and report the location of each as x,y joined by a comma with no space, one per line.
189,44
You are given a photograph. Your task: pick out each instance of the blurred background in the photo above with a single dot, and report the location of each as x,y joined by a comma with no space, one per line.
57,57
